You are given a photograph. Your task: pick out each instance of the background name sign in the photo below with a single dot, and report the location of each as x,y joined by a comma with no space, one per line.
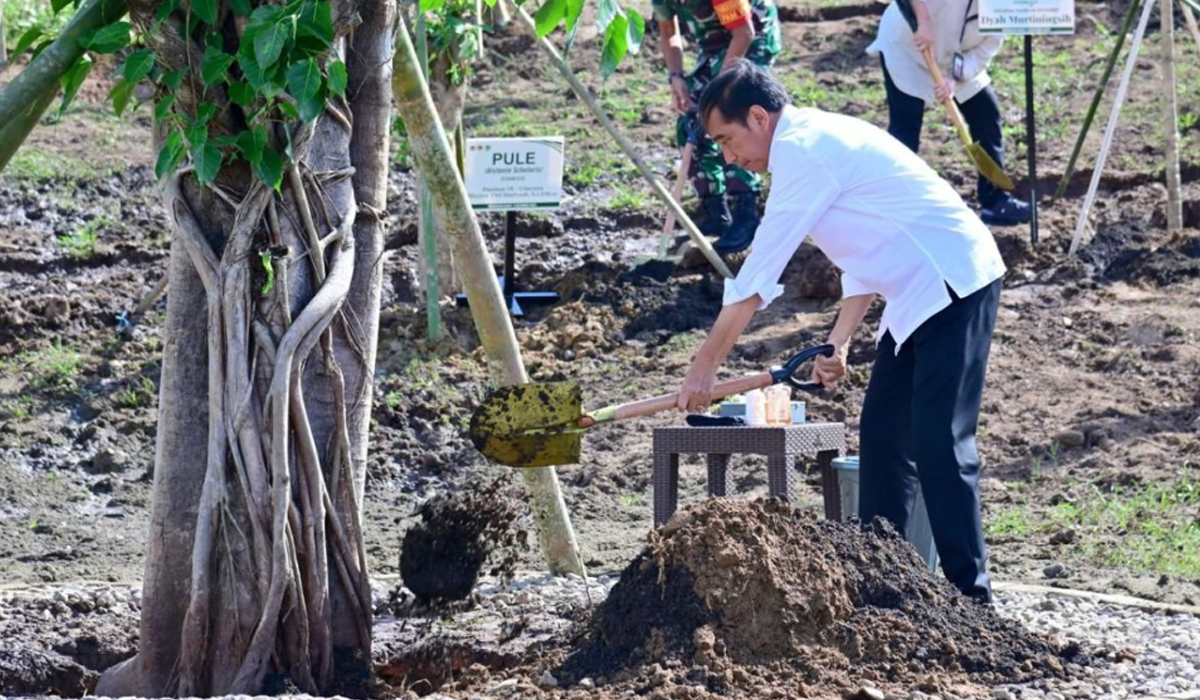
514,173
1027,16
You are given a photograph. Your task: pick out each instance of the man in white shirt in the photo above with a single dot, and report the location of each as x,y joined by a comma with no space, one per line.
896,230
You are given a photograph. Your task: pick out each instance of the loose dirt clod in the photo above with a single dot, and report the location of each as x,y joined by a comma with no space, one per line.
442,556
755,591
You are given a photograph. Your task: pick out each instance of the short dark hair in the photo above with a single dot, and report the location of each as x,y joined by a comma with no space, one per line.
740,87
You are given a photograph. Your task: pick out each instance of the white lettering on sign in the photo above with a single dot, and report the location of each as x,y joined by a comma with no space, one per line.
1027,16
514,173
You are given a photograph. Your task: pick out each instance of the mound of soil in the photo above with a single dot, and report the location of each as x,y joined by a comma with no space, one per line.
734,594
442,556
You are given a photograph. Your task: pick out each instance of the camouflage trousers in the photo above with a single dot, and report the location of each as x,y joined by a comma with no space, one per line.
709,173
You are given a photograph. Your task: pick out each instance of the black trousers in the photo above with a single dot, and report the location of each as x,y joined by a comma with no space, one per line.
918,424
981,113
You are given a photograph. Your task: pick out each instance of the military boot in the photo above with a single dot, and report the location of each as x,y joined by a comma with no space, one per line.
716,215
745,223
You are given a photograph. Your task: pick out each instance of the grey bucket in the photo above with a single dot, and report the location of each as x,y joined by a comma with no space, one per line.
919,532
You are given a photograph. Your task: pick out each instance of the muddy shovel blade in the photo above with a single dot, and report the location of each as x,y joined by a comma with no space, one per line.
530,425
988,167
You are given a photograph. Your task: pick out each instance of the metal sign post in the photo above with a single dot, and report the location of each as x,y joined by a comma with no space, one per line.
1026,18
511,175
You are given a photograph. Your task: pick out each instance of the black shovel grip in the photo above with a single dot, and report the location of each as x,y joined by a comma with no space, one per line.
787,372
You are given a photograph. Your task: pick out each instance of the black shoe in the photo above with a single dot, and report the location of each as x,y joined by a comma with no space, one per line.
745,224
716,215
1007,211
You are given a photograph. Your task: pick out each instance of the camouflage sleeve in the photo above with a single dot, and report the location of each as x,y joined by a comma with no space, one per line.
732,13
662,10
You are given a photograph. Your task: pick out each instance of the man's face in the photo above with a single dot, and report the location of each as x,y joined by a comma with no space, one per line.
745,145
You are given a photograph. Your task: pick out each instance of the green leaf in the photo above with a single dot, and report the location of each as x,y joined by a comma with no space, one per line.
432,5
269,168
170,155
606,12
73,79
289,110
57,5
162,108
120,94
269,42
205,10
251,143
26,40
207,159
256,76
268,268
197,135
338,79
41,45
109,39
138,65
164,10
204,114
173,80
615,46
574,10
305,83
240,7
316,21
214,66
637,30
549,15
242,93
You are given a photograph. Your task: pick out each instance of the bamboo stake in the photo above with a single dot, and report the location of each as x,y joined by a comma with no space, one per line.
1190,18
1100,88
428,227
3,46
655,184
26,98
1166,16
431,151
1111,129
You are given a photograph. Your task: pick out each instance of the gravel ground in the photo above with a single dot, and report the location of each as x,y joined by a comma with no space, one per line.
1144,654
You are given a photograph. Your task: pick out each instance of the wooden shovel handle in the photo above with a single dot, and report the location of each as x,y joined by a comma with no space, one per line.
685,164
667,402
951,108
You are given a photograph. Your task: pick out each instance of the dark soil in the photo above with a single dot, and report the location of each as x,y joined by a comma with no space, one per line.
747,586
442,556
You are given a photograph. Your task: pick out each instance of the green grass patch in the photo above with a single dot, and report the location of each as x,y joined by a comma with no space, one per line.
81,243
55,367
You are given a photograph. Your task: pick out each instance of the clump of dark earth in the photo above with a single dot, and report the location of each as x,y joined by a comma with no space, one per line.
443,555
747,597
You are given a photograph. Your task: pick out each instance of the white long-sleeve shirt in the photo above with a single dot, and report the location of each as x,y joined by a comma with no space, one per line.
884,217
907,66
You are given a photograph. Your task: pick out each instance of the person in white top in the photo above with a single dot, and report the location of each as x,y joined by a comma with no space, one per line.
897,231
950,30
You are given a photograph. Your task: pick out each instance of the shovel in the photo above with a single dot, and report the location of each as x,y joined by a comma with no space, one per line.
983,162
540,425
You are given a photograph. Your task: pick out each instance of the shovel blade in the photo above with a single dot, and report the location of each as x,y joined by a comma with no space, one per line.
530,425
989,168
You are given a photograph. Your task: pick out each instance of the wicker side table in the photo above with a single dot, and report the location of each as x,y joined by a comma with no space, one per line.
781,445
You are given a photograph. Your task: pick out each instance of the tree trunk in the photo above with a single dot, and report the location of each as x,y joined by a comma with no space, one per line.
256,567
25,99
431,150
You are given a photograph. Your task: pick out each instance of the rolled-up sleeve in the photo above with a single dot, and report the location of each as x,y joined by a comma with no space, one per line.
796,203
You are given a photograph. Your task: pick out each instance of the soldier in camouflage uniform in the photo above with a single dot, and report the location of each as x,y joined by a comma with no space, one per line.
724,30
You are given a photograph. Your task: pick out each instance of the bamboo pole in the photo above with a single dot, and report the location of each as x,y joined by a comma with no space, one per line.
1190,18
1100,88
3,45
1111,129
1166,16
431,151
26,98
427,225
655,184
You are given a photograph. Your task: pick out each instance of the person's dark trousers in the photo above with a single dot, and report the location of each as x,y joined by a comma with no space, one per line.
918,423
981,113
